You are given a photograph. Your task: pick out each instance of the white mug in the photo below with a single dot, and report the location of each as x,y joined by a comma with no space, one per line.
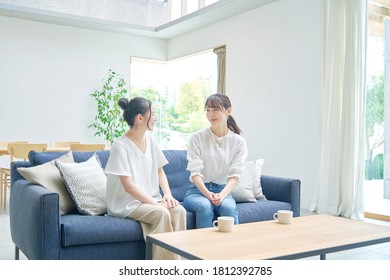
284,216
224,223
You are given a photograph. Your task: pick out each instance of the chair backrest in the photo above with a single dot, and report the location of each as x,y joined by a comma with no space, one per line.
87,147
21,150
59,144
5,143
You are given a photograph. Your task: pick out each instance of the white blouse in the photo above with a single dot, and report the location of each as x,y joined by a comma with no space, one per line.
126,159
216,159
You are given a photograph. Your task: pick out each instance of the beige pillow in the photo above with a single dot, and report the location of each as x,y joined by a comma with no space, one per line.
48,176
249,188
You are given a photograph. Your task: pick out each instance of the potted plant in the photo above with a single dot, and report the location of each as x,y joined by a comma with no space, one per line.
108,120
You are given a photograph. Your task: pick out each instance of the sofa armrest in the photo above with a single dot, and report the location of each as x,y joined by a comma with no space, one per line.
15,175
283,189
35,220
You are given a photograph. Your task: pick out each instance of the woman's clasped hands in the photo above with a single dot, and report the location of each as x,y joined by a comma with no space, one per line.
216,198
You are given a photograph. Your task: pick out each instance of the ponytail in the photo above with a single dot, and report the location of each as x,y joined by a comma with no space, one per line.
232,125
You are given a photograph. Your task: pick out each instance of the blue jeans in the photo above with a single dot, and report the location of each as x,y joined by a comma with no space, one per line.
194,201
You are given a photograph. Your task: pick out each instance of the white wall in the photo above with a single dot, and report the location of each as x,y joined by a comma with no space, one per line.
273,80
47,73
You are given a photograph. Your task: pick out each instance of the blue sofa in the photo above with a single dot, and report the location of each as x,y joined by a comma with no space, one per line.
42,233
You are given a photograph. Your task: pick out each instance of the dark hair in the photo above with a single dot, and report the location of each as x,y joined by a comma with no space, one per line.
131,108
222,101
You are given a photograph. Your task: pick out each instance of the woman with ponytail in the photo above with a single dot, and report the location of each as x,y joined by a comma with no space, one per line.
135,175
216,157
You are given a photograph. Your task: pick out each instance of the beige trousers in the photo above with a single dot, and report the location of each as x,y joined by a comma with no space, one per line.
158,219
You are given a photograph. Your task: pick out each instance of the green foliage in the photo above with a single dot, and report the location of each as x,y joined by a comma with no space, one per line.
375,103
374,170
178,119
190,106
374,123
159,104
197,121
108,122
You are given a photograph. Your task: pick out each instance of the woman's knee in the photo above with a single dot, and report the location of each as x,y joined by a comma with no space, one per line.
228,208
195,202
162,212
179,210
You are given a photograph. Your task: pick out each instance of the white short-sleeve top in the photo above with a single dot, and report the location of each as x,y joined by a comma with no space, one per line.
126,159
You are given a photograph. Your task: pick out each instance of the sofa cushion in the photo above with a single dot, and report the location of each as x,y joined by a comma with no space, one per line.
86,183
262,210
177,173
37,158
48,176
84,156
83,230
191,220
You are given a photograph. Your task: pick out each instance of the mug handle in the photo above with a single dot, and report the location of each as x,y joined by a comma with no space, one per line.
215,223
275,216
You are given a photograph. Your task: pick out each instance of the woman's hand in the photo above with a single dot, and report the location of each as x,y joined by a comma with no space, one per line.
211,196
217,198
170,202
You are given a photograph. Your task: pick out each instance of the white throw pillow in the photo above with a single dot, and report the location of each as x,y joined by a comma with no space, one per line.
249,188
86,183
48,176
257,189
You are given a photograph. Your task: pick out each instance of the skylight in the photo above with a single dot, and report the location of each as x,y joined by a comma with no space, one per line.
148,13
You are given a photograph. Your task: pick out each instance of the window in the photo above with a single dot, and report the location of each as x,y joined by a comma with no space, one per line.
375,108
178,90
377,203
180,8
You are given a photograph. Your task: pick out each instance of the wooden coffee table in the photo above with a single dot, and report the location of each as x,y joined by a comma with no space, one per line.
306,236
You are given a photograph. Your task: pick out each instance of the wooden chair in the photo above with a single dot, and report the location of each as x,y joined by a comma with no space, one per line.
19,151
5,171
59,144
87,147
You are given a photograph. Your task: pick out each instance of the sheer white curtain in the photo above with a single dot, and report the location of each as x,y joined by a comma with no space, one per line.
341,171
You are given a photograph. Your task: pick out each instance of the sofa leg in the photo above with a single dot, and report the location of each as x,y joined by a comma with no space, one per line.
16,253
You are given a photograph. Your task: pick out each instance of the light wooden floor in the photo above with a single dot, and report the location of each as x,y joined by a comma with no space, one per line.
376,206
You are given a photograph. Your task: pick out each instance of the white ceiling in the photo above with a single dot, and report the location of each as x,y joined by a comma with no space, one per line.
218,11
